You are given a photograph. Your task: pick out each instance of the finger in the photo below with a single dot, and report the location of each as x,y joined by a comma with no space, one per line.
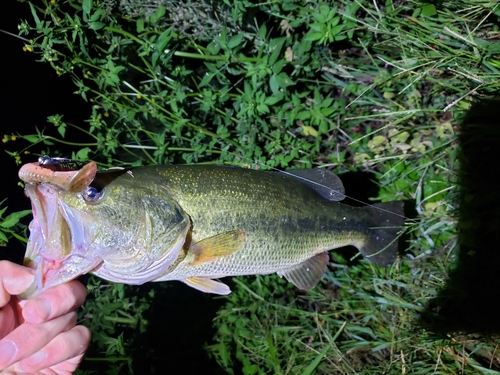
63,353
14,280
8,320
54,302
29,338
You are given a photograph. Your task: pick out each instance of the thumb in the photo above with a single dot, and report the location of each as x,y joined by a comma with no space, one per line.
14,279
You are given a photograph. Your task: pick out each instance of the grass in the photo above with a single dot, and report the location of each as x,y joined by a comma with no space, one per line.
354,86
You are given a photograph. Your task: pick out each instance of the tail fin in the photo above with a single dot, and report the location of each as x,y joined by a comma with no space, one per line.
381,246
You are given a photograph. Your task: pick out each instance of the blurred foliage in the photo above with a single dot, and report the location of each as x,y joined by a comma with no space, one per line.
10,225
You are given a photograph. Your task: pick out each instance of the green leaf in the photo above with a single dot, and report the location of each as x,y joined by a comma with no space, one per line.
319,17
274,85
429,10
337,29
220,41
271,100
313,36
3,237
213,48
155,17
262,108
97,14
309,130
87,6
332,13
97,25
325,10
235,40
275,49
162,41
62,129
20,238
206,80
140,25
319,27
289,6
32,138
83,154
334,22
13,218
278,66
284,80
160,12
35,16
262,31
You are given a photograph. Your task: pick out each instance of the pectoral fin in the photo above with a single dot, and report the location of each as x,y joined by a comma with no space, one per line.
212,248
207,285
307,274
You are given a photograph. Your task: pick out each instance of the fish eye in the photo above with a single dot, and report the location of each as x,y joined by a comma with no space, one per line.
93,193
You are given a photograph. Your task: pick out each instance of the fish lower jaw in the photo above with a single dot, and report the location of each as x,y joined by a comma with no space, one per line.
44,270
51,272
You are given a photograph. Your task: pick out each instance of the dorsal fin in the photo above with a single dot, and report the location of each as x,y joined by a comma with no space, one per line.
324,182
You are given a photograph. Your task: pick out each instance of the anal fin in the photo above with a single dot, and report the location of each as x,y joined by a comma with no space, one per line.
207,285
307,274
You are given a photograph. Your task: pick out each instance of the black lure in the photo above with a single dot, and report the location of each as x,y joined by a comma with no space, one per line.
59,164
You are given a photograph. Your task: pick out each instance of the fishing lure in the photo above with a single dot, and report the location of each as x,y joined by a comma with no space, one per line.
68,174
60,164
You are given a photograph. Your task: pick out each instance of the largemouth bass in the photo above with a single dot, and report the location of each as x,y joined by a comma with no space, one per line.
196,223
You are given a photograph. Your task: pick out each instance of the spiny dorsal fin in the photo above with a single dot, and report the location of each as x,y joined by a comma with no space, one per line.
207,285
212,248
325,183
307,274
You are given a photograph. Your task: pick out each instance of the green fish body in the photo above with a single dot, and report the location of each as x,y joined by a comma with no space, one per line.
197,223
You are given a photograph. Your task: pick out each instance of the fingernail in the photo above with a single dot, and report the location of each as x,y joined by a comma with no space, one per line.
35,359
43,308
7,352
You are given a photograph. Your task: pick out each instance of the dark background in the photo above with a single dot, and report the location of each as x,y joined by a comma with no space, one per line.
29,92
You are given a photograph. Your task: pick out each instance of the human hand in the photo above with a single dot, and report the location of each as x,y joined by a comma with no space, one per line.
39,336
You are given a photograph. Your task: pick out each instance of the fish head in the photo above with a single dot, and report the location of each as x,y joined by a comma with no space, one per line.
108,223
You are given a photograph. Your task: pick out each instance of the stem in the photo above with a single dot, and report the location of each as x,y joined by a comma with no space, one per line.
117,319
68,143
82,130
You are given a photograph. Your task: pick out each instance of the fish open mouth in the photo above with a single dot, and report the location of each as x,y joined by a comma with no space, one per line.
58,233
